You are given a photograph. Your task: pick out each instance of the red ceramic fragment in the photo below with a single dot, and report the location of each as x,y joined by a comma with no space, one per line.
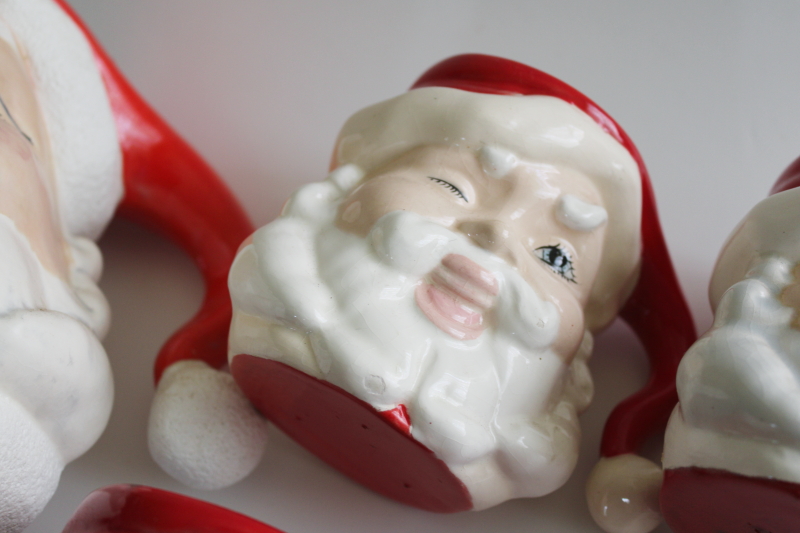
350,435
138,509
702,500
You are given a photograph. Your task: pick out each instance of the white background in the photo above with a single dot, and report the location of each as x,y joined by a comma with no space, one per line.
709,92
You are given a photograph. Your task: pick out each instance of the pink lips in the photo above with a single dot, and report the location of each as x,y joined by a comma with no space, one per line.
457,294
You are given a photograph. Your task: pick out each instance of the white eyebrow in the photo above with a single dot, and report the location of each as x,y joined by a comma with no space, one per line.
579,215
497,162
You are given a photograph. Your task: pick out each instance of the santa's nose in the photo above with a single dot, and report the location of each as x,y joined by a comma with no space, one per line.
488,234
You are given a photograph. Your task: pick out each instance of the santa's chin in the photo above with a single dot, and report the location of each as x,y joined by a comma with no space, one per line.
353,312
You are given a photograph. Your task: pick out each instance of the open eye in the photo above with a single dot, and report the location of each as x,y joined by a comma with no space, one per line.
449,186
559,261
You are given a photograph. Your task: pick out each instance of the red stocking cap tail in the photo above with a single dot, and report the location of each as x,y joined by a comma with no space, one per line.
140,509
656,309
659,315
170,189
789,179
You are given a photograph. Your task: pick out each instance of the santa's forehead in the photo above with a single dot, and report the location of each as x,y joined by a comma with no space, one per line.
489,162
492,166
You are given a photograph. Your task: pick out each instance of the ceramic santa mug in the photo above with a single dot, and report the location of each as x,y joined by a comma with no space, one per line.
422,318
732,447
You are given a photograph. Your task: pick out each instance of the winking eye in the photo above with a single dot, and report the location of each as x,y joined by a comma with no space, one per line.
449,186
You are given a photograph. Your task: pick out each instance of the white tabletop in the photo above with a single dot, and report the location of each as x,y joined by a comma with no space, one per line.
709,93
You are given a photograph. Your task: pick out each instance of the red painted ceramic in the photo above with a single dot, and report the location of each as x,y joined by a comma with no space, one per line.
139,509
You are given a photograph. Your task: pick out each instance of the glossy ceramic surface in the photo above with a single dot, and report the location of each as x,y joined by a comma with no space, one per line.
261,90
700,500
138,509
57,154
392,279
735,435
350,435
73,134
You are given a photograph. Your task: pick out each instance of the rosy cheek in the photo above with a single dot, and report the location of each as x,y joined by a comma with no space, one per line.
351,212
550,287
572,326
355,216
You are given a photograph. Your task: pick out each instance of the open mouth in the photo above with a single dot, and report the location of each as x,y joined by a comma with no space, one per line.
456,295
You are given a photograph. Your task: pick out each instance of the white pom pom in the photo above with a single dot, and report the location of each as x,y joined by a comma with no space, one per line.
203,431
30,467
622,493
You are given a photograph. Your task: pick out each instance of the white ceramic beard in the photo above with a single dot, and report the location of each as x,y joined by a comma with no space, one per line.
56,388
500,410
26,284
739,385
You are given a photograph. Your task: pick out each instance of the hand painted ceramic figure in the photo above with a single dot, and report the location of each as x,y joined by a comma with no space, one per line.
422,319
732,449
68,124
59,153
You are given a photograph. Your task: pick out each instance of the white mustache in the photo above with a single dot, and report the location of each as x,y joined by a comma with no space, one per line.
354,301
415,246
402,240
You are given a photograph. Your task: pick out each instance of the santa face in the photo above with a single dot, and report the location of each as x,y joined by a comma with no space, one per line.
732,445
51,310
520,212
445,286
45,266
26,165
738,385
